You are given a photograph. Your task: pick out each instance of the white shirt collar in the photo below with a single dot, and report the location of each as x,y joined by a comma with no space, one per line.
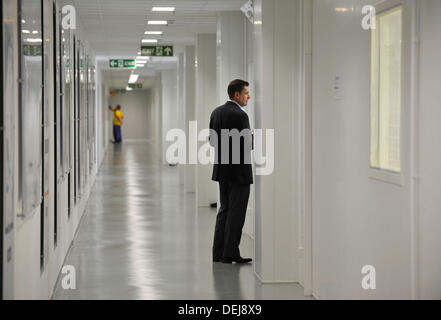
243,109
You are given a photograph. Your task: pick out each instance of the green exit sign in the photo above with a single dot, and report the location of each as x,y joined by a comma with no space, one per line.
122,63
135,85
157,51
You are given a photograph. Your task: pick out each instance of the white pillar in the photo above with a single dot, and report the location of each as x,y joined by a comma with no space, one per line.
206,189
230,51
190,111
277,103
169,107
181,107
158,115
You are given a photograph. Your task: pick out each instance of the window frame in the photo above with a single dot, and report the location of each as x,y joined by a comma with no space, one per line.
379,174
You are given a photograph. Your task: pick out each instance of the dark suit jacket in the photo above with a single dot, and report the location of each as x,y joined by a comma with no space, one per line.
230,116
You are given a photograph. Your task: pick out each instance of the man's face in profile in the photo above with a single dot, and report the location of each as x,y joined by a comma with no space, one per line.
243,97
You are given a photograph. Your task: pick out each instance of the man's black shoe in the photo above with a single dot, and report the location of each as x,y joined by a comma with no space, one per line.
239,260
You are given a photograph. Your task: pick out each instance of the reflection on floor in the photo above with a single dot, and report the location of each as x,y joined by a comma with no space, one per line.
142,237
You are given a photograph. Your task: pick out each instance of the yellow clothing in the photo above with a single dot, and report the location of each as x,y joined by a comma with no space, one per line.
117,118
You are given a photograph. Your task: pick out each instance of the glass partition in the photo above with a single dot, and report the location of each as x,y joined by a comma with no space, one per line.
66,76
30,106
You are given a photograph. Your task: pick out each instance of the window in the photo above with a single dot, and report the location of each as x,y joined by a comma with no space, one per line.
30,111
386,66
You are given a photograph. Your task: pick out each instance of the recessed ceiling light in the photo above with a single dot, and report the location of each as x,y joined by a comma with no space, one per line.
34,40
166,9
35,32
142,58
26,31
149,41
133,78
154,32
157,22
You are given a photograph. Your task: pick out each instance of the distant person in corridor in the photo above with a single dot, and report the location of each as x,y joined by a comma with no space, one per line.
117,123
234,179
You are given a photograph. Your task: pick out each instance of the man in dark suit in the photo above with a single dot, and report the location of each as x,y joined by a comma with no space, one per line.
230,129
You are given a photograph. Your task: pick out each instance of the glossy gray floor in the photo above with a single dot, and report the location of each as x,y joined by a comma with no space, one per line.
142,237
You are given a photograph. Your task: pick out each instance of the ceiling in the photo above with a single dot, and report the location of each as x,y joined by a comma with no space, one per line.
115,28
118,80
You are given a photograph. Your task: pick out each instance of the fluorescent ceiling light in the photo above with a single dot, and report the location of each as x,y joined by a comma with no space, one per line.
133,78
149,41
157,22
34,40
128,88
26,31
35,32
142,58
166,9
154,32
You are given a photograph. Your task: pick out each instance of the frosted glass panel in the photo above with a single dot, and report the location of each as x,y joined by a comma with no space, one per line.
386,91
31,105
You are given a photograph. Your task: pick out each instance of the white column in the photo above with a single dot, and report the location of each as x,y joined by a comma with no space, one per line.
206,189
230,51
158,115
190,111
181,107
169,107
277,105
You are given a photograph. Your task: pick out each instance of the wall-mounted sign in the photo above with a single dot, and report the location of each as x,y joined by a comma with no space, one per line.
157,51
135,85
117,91
122,63
32,50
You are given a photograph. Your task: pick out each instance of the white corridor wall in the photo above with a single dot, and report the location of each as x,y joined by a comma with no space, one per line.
359,221
429,153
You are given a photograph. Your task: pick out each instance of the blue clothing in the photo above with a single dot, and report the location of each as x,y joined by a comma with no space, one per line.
117,133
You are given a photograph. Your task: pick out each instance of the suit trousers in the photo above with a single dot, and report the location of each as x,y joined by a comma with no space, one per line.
230,219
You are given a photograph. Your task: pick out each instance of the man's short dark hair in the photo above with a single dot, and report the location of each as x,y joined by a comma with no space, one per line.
236,86
118,107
